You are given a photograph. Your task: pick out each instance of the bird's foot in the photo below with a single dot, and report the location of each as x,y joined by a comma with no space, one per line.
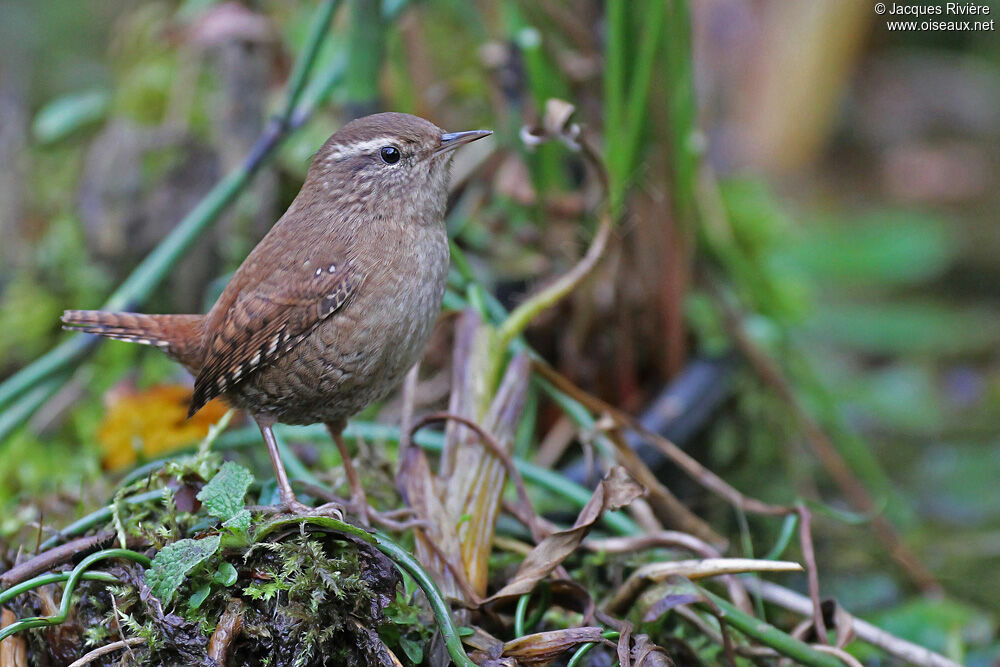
332,510
395,520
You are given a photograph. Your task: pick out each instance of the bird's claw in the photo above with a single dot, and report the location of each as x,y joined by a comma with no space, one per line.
332,510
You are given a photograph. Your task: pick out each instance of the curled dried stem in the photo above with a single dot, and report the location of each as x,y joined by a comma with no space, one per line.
558,127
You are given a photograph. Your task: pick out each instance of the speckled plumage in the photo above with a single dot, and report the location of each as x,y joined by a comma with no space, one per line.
336,303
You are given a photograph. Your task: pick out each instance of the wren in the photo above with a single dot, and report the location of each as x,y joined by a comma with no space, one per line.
335,304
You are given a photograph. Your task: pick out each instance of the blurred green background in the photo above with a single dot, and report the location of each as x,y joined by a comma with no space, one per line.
857,169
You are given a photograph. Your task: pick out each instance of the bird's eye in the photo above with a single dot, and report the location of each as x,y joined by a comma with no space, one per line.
389,154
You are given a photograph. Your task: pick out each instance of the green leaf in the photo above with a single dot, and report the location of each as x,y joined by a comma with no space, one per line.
226,575
916,327
171,566
881,248
937,624
199,596
239,523
414,651
223,495
65,115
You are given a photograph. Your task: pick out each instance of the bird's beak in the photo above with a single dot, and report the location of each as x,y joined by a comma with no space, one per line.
452,140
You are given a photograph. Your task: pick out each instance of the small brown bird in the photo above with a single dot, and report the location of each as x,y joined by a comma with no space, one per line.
335,304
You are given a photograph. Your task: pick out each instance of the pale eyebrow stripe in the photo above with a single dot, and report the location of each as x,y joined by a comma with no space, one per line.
358,148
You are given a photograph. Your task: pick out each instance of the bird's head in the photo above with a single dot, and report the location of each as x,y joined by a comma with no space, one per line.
389,164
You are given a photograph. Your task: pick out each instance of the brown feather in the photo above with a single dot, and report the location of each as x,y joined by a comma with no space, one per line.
179,336
255,321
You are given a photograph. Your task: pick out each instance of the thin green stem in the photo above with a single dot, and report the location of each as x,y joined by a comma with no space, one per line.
442,612
582,652
67,597
614,93
322,521
520,613
640,85
518,320
685,151
768,634
365,40
788,527
300,71
46,579
21,409
521,317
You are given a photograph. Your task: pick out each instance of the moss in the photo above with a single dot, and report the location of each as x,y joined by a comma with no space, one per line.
314,599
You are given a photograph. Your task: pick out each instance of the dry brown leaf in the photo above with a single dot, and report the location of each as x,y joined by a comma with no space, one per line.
616,490
13,650
543,647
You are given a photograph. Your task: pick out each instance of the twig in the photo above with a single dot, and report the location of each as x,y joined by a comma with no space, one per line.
46,560
690,569
809,556
107,648
866,632
695,470
666,538
823,448
522,316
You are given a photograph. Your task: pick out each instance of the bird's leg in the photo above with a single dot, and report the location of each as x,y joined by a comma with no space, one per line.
289,502
359,501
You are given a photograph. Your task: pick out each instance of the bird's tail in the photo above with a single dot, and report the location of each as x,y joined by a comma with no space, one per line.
180,336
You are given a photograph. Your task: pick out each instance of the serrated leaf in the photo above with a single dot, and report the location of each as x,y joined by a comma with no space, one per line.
239,523
223,495
170,567
226,574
